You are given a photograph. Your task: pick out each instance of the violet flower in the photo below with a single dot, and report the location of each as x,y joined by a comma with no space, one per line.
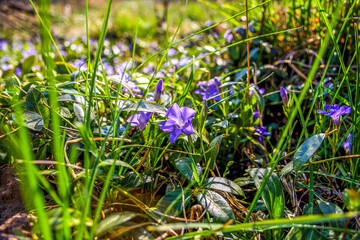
179,121
213,89
263,132
284,95
228,35
347,144
335,112
158,90
256,114
125,77
139,119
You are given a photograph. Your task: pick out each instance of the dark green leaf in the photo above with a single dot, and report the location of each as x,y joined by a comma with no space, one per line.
307,149
212,151
146,107
272,193
259,99
328,208
216,205
223,184
80,114
169,198
185,167
32,120
36,101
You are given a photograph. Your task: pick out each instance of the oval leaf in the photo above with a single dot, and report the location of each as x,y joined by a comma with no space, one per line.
272,194
185,167
32,120
216,205
146,107
169,198
223,184
213,150
307,150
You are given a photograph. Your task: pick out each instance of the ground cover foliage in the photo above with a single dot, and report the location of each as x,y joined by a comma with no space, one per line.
207,120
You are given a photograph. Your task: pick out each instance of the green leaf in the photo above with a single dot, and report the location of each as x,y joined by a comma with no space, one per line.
259,99
146,107
169,198
328,208
113,221
213,150
185,167
80,114
28,63
223,184
133,180
294,234
216,205
32,120
307,149
272,194
36,101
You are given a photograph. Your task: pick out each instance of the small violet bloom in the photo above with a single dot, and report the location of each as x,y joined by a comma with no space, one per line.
284,95
228,35
158,90
213,89
335,112
124,76
179,121
139,119
256,114
263,132
347,144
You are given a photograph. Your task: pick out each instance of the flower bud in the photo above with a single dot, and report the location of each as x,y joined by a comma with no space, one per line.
158,90
284,95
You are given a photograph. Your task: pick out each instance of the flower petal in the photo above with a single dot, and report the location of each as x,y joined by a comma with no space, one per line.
344,110
188,128
187,113
174,112
174,135
167,126
133,120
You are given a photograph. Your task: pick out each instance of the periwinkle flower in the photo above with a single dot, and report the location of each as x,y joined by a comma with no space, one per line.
179,121
139,119
347,144
284,95
228,35
263,132
256,114
125,77
213,89
335,112
158,90
18,71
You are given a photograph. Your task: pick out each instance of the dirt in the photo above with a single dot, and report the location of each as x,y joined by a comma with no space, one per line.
13,219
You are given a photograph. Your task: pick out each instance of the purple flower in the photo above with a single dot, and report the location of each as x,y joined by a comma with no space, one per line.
213,89
139,119
158,90
18,71
263,132
335,112
256,114
284,95
125,77
228,35
347,144
179,120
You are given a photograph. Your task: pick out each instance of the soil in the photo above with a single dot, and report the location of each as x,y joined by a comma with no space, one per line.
13,219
